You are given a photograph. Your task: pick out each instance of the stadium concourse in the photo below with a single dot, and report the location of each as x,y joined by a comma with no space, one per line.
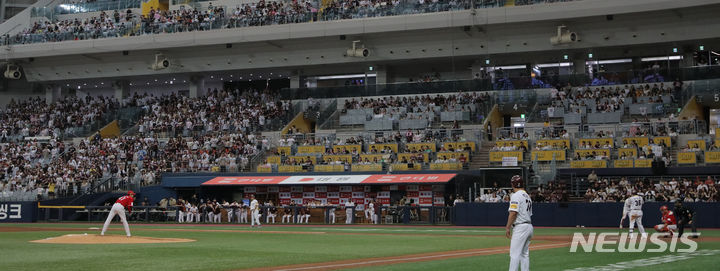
364,135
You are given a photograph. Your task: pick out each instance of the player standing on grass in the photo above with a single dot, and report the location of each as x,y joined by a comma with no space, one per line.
122,203
255,211
633,210
519,223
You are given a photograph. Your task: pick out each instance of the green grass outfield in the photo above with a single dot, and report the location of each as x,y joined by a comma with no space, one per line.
242,248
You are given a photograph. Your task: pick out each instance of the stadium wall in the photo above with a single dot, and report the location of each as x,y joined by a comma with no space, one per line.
13,212
577,214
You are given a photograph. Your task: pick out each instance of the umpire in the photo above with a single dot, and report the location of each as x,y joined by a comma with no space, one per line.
684,217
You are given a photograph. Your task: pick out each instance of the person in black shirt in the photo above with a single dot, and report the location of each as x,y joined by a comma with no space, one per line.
684,216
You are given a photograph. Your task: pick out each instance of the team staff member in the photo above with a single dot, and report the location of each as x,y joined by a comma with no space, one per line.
255,211
122,203
685,216
519,223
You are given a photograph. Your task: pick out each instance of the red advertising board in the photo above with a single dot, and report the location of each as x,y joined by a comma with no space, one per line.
409,178
426,201
252,180
426,188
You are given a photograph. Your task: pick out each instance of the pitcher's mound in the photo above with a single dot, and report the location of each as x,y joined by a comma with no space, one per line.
108,239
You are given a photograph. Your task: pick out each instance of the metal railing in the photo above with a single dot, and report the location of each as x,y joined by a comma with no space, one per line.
75,7
392,214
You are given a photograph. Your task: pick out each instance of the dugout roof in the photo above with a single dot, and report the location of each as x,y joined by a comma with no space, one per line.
331,179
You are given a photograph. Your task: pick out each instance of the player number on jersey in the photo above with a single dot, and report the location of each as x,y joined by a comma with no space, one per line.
529,205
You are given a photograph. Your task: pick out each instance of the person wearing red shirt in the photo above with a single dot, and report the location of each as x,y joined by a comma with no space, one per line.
669,223
122,203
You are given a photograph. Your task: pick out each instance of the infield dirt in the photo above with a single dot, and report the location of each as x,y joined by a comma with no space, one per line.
108,239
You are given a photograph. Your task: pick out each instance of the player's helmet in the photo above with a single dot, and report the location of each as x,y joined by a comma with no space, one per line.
663,208
516,181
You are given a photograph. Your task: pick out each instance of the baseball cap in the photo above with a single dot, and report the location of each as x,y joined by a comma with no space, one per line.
130,192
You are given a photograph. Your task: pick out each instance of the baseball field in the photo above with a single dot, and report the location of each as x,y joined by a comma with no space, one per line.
65,246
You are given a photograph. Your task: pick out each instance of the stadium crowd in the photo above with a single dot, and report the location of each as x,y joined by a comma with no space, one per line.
35,117
220,111
228,120
618,189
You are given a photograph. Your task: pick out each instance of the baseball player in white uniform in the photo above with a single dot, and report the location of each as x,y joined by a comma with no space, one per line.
255,211
243,213
349,206
188,212
519,223
331,214
270,212
633,210
194,214
181,211
368,211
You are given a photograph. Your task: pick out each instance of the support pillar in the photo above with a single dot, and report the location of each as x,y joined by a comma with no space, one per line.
381,75
52,93
579,65
688,60
197,86
477,69
381,78
295,79
121,88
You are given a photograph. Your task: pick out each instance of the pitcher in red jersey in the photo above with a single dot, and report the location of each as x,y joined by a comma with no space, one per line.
122,203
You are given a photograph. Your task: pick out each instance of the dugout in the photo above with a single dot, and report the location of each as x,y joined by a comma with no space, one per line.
428,192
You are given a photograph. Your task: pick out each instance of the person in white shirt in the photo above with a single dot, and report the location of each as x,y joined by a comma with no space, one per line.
519,223
349,207
493,198
331,214
188,212
255,211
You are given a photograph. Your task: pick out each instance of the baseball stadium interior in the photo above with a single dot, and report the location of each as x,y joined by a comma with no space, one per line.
402,112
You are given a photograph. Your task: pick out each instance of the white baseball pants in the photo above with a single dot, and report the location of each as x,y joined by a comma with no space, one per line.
119,210
520,247
255,219
636,217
